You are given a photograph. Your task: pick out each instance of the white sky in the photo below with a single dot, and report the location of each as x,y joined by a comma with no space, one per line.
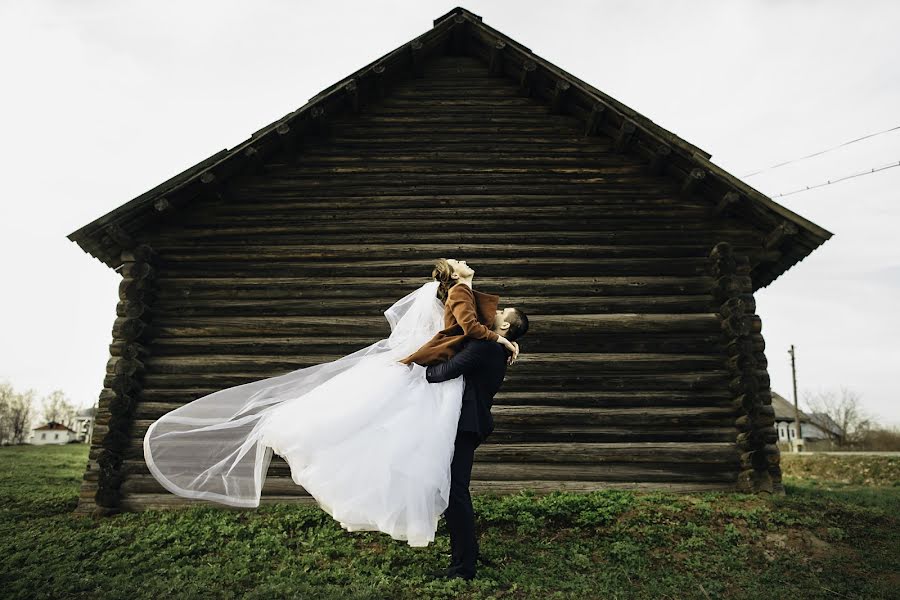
104,100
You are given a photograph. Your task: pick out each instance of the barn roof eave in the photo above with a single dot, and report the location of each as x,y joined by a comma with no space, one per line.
105,237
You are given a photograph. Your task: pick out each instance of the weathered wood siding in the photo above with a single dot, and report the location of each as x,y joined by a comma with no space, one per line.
622,380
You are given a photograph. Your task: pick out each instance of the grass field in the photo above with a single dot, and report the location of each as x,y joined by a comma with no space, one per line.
827,538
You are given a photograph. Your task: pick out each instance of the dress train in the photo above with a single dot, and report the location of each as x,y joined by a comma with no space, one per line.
368,437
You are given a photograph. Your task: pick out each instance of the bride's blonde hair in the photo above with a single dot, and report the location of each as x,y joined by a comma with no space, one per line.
442,272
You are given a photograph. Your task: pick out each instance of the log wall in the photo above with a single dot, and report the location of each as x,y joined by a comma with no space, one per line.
624,379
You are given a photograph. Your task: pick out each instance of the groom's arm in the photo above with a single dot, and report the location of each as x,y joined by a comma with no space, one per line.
464,361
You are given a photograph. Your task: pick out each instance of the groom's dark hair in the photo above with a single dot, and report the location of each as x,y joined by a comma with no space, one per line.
518,325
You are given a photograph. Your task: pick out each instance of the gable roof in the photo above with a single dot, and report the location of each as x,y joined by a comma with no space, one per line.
784,409
826,423
53,426
787,232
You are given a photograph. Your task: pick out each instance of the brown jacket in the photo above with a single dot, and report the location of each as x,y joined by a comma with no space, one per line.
467,313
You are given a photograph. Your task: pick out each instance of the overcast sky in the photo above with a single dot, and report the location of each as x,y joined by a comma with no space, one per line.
104,100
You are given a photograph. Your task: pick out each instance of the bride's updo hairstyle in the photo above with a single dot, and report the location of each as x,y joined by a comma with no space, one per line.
442,272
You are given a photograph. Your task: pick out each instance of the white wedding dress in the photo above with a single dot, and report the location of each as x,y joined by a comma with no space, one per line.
368,437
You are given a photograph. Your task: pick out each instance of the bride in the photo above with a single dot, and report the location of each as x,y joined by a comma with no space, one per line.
366,435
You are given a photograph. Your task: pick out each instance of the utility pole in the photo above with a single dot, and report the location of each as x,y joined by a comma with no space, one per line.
798,439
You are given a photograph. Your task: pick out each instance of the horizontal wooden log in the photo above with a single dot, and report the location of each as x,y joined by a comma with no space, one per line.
661,472
636,421
493,267
512,154
537,235
481,82
401,102
138,502
534,343
428,220
137,487
392,289
477,118
283,202
374,326
236,253
503,434
155,402
518,381
432,167
559,364
512,141
538,416
725,453
489,472
280,307
601,472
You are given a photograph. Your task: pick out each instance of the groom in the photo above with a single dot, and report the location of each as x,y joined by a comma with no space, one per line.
483,364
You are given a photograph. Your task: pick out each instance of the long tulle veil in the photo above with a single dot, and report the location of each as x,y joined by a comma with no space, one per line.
211,448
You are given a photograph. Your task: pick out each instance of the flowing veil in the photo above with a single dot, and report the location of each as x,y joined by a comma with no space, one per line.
211,448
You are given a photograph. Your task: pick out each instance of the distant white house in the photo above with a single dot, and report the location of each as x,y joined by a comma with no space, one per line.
52,433
814,427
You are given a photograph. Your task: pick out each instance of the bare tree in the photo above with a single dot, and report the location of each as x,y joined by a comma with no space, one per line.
6,400
58,409
21,414
843,408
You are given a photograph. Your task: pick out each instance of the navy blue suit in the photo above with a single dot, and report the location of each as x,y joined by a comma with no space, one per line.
483,365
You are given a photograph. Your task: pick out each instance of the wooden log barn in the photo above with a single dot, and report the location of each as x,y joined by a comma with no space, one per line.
635,257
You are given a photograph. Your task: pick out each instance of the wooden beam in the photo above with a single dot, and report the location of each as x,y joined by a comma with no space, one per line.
352,91
660,159
526,78
626,131
254,160
495,66
728,201
142,252
378,71
162,205
784,230
318,122
288,139
212,186
417,58
692,182
595,119
457,36
119,236
558,98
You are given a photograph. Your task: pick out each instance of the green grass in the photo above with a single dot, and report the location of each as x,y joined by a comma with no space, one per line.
818,541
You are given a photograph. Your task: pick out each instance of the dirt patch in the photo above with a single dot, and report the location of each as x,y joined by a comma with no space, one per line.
804,546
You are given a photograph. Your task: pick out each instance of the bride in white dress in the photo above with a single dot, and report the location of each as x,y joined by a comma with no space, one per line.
368,437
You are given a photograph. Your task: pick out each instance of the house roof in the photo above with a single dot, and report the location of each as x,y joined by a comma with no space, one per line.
52,426
784,409
826,423
793,236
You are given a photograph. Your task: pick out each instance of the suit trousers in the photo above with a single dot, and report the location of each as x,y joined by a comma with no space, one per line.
459,514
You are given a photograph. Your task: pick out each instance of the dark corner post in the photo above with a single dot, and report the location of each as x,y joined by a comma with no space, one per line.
760,468
125,374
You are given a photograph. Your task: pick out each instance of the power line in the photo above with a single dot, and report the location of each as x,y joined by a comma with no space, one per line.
830,181
788,162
